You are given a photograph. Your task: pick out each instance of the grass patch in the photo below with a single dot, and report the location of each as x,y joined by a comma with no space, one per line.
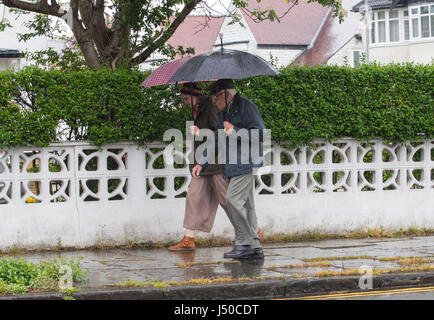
21,276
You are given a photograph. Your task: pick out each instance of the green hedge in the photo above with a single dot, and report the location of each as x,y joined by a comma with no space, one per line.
394,102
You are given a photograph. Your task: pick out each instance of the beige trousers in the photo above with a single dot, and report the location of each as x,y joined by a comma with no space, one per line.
203,197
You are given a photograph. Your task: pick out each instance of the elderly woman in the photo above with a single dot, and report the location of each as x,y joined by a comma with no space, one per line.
205,194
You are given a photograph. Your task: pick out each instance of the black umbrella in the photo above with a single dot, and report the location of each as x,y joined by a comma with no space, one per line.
223,64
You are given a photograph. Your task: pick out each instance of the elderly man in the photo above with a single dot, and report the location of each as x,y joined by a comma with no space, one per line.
238,113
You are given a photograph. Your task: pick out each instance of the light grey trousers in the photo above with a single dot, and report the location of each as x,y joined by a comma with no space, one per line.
241,210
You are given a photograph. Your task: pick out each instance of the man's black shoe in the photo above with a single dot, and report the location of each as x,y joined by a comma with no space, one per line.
236,251
256,253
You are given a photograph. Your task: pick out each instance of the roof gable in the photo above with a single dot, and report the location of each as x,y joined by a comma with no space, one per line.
198,32
332,38
298,27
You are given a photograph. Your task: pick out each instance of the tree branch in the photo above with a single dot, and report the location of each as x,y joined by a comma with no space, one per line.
41,7
166,34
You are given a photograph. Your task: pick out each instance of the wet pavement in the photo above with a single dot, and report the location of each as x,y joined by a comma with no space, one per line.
114,266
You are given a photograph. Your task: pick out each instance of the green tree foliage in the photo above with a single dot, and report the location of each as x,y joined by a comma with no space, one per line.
394,102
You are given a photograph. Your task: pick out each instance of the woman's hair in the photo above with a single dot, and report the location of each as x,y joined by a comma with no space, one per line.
192,89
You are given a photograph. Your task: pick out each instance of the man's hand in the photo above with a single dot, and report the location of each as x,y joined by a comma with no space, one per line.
195,172
228,127
194,130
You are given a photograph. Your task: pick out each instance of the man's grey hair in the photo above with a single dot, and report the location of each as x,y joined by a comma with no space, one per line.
232,92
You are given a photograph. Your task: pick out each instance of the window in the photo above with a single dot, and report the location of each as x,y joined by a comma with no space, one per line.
373,15
381,26
406,26
393,26
432,20
415,22
389,26
422,21
356,58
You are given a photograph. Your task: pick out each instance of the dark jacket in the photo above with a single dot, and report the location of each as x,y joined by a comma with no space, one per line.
243,114
207,116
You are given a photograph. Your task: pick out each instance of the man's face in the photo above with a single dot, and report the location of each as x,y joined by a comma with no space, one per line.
219,99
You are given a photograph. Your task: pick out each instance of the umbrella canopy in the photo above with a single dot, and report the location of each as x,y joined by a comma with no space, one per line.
162,74
223,64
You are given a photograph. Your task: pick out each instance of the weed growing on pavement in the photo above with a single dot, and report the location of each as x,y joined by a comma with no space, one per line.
160,285
326,273
197,281
190,264
104,244
390,259
414,261
68,293
400,260
325,264
21,276
337,258
421,268
132,284
377,233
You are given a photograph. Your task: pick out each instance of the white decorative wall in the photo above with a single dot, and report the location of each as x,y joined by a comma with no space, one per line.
73,194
